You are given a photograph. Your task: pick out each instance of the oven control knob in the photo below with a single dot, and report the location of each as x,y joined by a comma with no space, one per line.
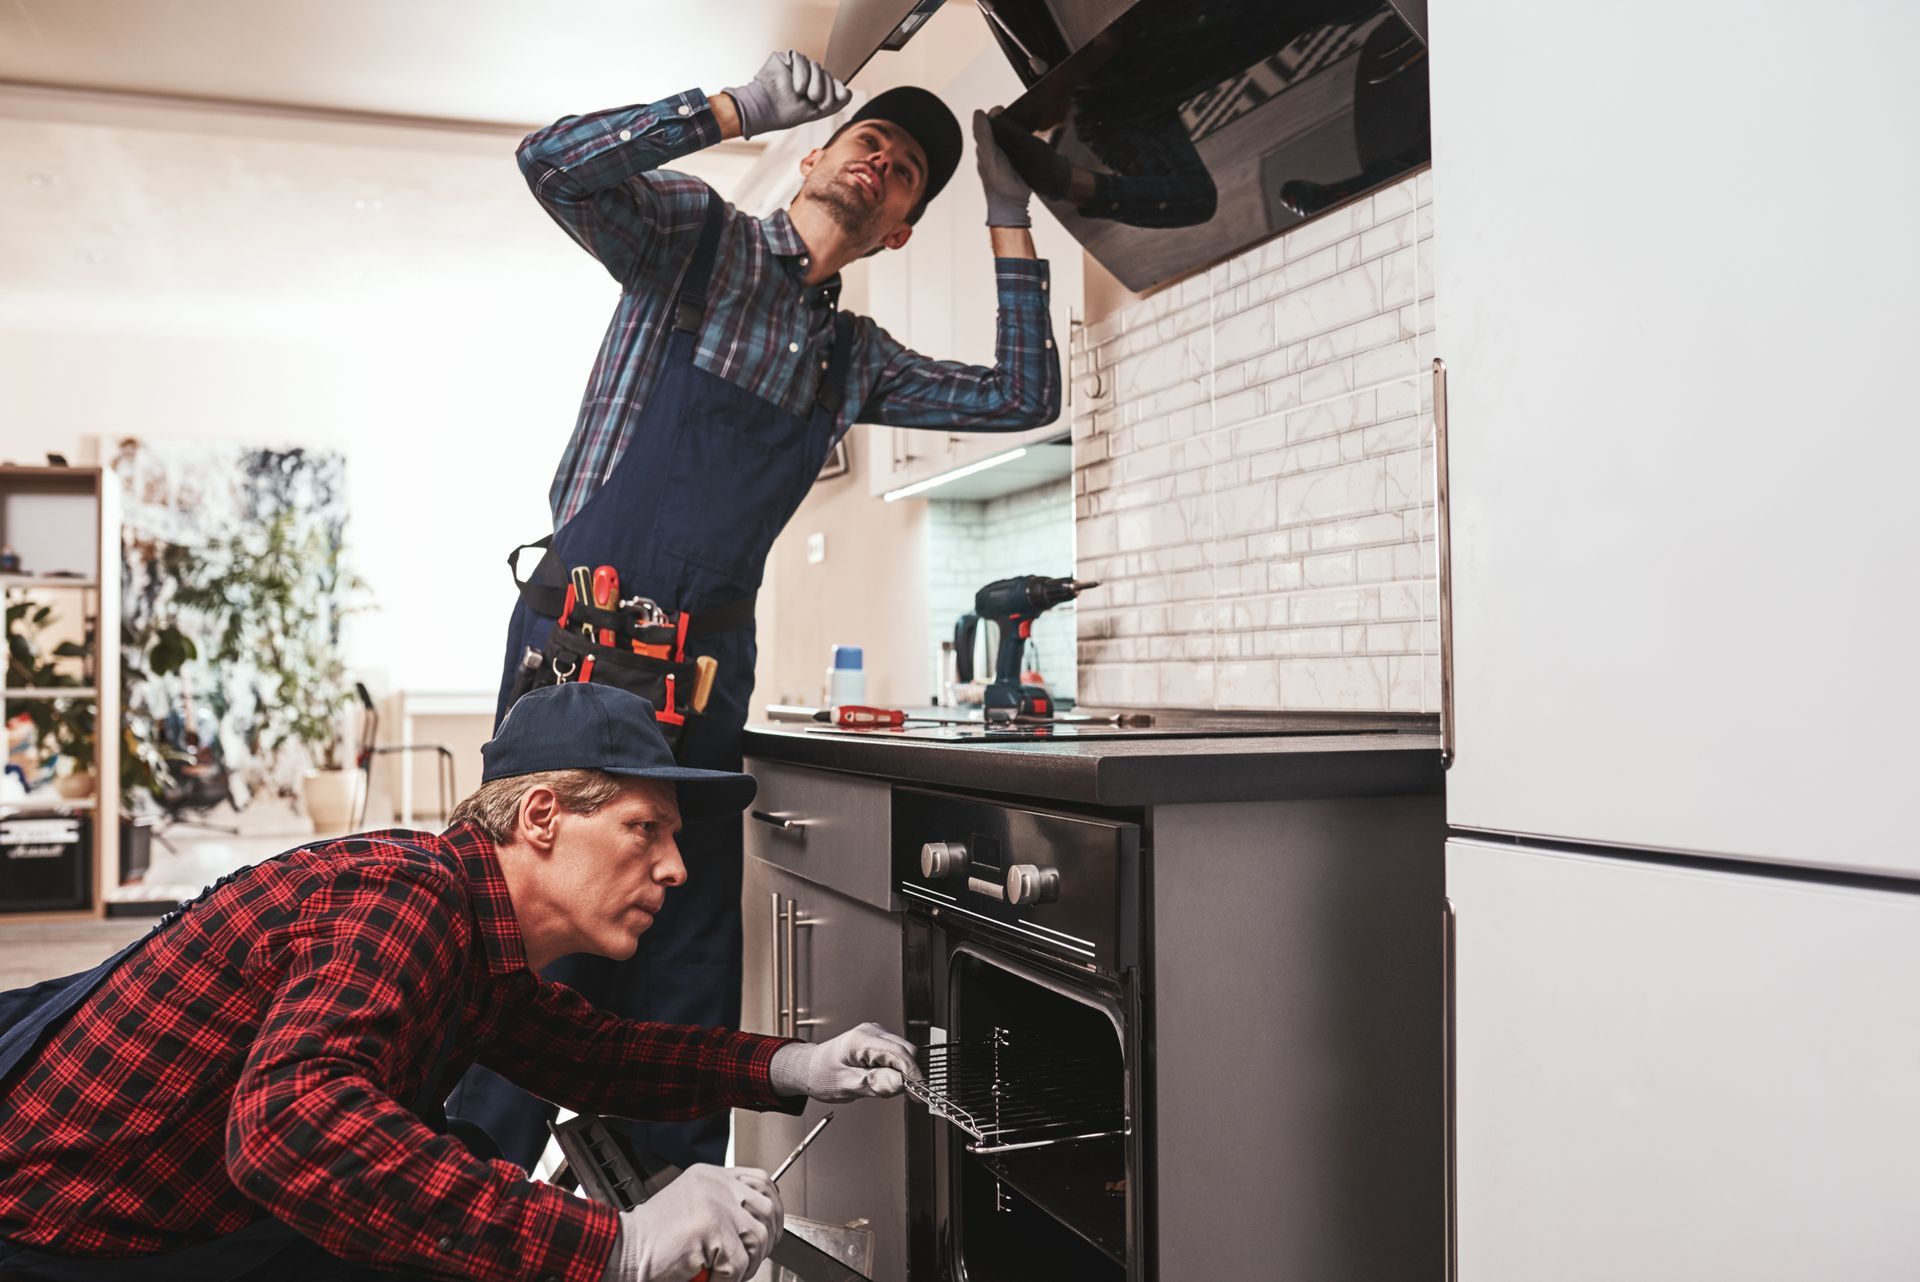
1032,884
942,859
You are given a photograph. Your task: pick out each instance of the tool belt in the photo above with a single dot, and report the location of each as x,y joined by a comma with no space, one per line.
632,644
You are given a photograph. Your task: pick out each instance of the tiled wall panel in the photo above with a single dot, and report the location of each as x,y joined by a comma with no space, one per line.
1253,480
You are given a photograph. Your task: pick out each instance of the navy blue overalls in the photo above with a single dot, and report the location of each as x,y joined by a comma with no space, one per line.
268,1248
687,516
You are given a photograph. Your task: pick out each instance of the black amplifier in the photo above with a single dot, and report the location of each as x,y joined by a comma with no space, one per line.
45,862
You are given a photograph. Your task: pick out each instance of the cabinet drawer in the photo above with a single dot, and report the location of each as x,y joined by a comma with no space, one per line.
831,829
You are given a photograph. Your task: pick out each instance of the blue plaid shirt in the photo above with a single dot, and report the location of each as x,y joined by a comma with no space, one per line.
766,330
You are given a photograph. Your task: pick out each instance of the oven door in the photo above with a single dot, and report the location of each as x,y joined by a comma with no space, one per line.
1026,1162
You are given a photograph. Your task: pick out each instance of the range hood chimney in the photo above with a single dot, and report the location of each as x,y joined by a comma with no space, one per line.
1167,135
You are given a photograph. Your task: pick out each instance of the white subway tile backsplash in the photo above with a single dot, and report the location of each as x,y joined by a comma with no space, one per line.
1406,475
1383,238
1351,489
1345,683
1399,274
1337,414
1323,382
1391,202
1242,337
1247,684
1354,606
1338,300
1256,497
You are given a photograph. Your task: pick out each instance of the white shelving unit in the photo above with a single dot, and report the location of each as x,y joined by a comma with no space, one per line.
64,524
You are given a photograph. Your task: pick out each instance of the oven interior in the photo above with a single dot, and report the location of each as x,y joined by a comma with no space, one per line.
1034,1084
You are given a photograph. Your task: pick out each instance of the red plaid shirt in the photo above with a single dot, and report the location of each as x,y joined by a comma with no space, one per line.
248,1060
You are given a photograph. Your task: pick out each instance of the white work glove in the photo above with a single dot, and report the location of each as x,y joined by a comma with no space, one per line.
863,1062
789,90
1007,192
721,1218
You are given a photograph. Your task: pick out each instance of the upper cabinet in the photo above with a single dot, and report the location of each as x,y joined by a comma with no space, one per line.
1675,273
937,295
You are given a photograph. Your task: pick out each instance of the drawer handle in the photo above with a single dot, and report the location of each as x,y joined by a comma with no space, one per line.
780,823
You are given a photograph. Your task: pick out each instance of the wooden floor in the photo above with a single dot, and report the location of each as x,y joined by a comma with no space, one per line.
181,868
33,951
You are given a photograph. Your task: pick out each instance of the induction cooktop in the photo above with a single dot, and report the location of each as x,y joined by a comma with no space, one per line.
1086,724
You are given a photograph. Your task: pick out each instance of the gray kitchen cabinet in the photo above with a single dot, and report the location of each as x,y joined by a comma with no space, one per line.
816,963
826,827
849,973
1674,1073
763,1139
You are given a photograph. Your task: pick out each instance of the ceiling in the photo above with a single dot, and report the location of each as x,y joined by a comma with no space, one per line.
175,161
506,62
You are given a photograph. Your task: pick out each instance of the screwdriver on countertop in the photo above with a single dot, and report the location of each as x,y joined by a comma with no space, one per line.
860,716
850,716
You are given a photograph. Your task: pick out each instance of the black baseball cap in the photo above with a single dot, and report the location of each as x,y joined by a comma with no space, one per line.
582,726
923,115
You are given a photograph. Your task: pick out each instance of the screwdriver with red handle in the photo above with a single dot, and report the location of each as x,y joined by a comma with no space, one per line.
606,595
860,716
705,1275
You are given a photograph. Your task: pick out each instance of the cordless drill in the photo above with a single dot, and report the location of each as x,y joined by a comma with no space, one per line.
1013,604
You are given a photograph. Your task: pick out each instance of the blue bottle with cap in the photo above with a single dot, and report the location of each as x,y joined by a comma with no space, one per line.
846,676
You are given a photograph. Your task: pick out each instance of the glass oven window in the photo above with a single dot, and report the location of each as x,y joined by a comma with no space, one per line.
1040,1209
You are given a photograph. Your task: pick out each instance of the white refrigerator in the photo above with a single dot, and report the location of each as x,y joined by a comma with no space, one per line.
1677,291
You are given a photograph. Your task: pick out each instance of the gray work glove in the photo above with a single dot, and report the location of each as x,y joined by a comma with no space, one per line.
789,90
863,1062
721,1218
1007,192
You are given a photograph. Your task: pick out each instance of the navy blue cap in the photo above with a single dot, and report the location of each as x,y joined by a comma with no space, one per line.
582,726
931,123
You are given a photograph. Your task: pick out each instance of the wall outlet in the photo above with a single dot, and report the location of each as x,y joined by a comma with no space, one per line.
816,548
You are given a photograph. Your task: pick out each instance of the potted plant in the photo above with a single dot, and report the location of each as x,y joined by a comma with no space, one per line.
63,728
268,602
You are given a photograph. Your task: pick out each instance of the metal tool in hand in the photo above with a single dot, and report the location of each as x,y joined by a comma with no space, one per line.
609,1175
800,1148
704,1275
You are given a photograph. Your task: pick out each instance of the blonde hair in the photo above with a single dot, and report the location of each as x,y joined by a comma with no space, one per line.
495,808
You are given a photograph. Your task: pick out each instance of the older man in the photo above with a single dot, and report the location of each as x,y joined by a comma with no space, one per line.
252,1090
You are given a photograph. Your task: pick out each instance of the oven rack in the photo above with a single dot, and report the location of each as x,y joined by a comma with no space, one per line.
1007,1092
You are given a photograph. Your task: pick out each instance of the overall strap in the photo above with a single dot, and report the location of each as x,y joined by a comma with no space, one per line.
690,304
833,383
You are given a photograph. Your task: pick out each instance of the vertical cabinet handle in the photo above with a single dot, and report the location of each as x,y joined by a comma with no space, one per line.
795,924
778,990
784,999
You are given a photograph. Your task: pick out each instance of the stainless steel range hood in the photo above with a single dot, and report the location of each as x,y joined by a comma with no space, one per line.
1180,132
861,28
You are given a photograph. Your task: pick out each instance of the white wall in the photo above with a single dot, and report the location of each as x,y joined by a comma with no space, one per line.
392,293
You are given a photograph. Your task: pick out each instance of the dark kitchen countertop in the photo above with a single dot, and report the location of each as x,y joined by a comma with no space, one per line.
1370,755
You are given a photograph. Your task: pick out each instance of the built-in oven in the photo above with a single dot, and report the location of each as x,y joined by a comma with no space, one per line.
1025,988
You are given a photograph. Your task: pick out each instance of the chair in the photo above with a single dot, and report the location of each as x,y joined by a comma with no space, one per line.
201,780
371,747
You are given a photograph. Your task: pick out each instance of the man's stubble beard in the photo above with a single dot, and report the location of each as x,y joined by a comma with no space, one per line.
861,223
